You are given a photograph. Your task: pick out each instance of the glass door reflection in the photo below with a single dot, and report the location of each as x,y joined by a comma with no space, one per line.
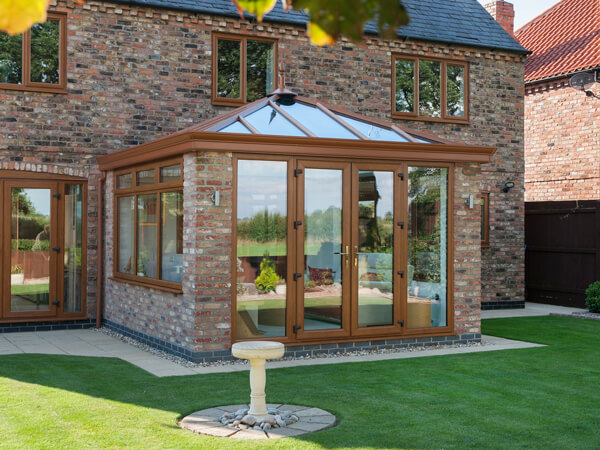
30,256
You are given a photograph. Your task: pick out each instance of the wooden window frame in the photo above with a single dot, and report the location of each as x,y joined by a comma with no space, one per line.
485,237
414,115
27,84
295,244
134,191
242,39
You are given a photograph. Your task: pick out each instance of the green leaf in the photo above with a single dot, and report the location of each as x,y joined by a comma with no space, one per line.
257,7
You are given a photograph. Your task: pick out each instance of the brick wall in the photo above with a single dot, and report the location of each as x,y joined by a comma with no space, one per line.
504,13
561,143
136,74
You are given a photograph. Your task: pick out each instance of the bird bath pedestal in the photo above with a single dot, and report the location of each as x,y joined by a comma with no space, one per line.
258,352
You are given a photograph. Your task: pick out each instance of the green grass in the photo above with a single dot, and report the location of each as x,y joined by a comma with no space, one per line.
29,289
531,398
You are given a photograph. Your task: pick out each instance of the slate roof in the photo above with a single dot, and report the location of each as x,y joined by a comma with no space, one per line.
563,40
450,21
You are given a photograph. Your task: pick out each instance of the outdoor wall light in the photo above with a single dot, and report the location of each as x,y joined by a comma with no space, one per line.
216,198
508,186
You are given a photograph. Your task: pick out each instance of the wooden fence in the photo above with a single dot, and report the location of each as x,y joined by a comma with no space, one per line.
562,255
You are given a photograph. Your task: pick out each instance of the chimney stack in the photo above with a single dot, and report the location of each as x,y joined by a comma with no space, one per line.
504,13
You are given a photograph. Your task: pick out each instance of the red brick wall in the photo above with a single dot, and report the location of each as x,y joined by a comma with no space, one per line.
504,13
562,144
135,74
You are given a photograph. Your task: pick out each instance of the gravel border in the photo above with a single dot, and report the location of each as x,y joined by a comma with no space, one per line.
236,362
579,315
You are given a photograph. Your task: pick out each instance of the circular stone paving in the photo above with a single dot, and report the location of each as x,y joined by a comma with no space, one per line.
208,422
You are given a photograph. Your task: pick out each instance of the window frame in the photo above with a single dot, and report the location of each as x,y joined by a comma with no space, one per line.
242,39
27,84
414,115
485,202
134,191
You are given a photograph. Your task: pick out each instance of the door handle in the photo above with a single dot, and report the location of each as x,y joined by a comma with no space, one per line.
56,303
56,249
346,254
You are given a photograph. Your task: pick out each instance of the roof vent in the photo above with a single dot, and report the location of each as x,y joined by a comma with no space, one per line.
284,95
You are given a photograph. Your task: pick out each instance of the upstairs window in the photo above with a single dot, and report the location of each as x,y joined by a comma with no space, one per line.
36,59
428,89
243,68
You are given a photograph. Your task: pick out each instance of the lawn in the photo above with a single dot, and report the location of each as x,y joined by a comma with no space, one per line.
532,398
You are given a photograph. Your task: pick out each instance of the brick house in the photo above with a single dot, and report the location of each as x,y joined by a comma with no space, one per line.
561,139
362,203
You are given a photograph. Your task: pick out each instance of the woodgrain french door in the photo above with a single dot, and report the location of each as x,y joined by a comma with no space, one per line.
349,243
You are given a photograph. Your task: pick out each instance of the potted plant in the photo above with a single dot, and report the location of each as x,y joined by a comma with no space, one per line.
17,275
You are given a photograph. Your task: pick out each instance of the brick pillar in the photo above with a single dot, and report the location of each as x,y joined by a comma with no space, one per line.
504,14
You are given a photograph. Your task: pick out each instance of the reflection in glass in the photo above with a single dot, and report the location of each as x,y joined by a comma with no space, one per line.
126,211
260,63
172,236
30,250
319,123
45,39
11,58
124,181
228,69
427,247
169,174
73,246
145,177
373,131
455,91
375,248
261,248
268,121
405,86
322,248
235,127
430,88
146,235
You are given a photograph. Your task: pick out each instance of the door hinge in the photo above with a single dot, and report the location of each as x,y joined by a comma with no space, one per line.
297,275
297,172
401,175
401,225
401,322
297,223
401,273
57,195
56,249
296,328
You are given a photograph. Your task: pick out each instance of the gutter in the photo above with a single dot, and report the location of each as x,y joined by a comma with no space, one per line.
558,77
99,248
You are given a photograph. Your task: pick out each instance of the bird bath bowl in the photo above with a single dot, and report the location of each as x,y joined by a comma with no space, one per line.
257,352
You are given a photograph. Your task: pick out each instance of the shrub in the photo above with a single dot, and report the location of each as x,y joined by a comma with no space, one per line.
592,299
268,278
15,270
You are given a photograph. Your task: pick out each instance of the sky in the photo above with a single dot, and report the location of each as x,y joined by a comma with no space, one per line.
526,10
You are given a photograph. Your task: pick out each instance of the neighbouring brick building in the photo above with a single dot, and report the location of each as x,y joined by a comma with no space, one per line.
198,230
562,161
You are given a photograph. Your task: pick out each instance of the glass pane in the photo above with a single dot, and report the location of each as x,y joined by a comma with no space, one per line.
11,54
373,131
126,211
172,236
268,121
235,127
375,248
228,69
455,91
427,247
430,88
261,248
146,235
145,177
405,86
260,63
124,181
322,248
45,42
316,121
170,173
73,246
30,250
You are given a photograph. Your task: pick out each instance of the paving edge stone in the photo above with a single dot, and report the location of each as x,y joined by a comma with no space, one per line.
203,422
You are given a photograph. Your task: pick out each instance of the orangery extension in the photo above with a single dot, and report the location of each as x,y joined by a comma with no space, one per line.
192,179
